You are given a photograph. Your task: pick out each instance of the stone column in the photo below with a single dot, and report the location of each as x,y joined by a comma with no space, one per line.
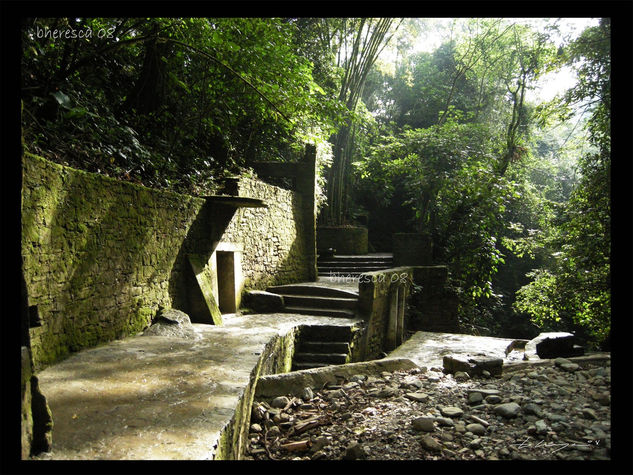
306,186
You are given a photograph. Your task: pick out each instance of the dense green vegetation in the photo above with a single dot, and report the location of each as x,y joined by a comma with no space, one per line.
451,142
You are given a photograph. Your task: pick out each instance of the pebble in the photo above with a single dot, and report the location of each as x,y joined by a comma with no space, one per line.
451,411
508,410
541,426
493,399
424,424
280,402
307,394
531,408
475,398
419,397
445,421
429,443
477,429
354,451
588,413
531,411
461,376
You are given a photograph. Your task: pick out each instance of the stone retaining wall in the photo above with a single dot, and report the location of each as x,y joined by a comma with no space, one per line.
102,256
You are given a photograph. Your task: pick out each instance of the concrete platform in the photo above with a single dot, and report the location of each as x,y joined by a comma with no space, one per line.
428,348
165,398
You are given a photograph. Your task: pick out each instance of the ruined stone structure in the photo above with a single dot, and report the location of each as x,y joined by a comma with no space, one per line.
102,256
102,259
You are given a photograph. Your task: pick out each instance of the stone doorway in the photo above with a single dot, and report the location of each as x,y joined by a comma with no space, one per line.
226,281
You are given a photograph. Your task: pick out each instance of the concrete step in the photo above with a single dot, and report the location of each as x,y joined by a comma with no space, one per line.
320,302
341,275
305,365
343,269
336,261
311,290
327,358
324,347
333,333
324,312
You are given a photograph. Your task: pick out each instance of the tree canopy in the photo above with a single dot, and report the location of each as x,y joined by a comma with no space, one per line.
449,141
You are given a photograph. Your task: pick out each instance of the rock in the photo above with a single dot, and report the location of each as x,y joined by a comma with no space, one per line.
387,392
476,429
484,391
461,376
423,424
541,426
507,410
280,402
445,421
262,301
358,378
474,365
419,397
172,322
478,420
256,428
531,408
493,399
339,393
446,436
433,377
430,444
475,398
354,451
604,399
475,443
569,367
451,411
274,431
307,394
319,443
317,455
588,413
552,345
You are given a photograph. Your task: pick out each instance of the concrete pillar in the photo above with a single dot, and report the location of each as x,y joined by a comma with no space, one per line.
391,342
306,186
402,295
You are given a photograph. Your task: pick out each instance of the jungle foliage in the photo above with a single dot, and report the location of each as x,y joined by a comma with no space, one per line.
514,194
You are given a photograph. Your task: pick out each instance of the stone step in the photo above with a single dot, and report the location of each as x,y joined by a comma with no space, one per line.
340,275
359,257
324,347
312,301
343,269
334,333
311,290
355,262
327,358
323,312
305,365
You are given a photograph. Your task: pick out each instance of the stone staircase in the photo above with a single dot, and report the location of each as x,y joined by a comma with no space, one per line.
353,266
322,346
317,300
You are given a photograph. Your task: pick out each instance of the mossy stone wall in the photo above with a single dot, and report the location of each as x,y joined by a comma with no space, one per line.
273,239
102,256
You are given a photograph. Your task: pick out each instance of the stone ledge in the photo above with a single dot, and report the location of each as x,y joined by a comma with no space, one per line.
295,382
